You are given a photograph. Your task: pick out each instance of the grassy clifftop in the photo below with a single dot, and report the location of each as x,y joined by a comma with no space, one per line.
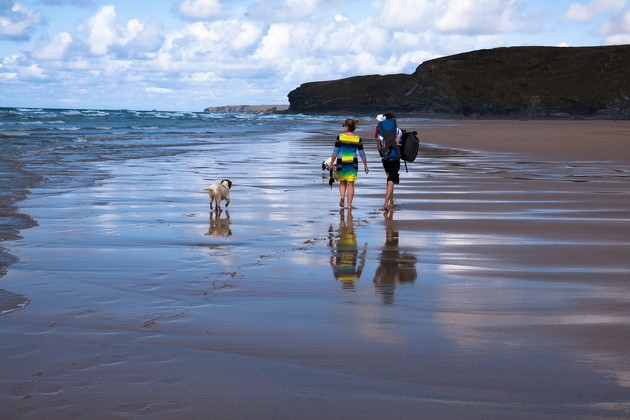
535,82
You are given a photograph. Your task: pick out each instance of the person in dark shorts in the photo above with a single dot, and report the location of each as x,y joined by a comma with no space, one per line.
390,158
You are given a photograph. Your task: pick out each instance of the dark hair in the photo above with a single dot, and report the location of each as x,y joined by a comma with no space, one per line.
389,116
351,124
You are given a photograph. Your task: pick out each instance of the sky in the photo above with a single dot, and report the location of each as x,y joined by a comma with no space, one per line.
186,55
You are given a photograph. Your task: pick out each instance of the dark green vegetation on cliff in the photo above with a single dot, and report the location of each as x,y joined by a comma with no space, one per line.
533,82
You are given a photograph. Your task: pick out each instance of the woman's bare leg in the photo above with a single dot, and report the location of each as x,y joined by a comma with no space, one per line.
342,192
350,193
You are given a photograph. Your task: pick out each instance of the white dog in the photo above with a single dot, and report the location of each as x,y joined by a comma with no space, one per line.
332,169
218,192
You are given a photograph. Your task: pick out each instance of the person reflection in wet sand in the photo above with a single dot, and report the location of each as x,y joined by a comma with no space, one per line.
346,261
218,226
394,267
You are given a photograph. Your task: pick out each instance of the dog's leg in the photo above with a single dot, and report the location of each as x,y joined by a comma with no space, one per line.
227,200
211,198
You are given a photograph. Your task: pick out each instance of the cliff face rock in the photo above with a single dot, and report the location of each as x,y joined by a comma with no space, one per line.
534,82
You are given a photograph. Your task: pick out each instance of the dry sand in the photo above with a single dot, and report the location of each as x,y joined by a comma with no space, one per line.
498,287
561,140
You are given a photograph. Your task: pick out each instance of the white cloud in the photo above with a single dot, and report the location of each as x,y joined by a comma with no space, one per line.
55,49
134,27
102,31
239,36
405,13
62,2
104,35
614,30
32,72
222,46
17,21
617,30
275,45
304,6
199,9
578,12
202,77
152,89
141,39
275,11
474,17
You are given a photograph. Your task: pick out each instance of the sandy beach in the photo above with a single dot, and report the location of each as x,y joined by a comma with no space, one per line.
499,287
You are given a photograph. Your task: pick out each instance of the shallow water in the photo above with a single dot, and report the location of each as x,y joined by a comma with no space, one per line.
61,150
497,287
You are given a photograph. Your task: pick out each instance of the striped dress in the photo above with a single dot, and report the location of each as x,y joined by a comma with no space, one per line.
346,149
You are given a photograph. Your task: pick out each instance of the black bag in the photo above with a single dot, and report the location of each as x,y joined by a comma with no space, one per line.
410,144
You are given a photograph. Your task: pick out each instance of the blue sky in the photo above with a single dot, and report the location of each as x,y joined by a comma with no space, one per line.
185,55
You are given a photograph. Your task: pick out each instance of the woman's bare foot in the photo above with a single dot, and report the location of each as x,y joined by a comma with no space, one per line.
341,203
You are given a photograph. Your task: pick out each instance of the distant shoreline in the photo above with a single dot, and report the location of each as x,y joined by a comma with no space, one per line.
285,109
253,109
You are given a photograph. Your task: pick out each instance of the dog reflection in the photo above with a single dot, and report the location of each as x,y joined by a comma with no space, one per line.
346,261
394,266
219,226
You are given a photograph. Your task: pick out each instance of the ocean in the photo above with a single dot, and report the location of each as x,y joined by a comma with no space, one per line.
57,148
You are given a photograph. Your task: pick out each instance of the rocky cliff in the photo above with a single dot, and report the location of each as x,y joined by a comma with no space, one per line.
531,82
248,109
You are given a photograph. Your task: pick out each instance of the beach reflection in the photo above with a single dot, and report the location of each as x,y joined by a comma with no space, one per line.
394,267
11,302
346,261
219,226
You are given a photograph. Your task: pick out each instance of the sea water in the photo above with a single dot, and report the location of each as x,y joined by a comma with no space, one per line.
57,146
59,150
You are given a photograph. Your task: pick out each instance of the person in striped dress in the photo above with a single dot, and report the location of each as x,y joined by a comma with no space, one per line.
347,146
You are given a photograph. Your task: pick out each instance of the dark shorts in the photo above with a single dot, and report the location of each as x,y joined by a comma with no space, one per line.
391,170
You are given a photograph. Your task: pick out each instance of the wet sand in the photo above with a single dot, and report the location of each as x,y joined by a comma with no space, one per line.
497,288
